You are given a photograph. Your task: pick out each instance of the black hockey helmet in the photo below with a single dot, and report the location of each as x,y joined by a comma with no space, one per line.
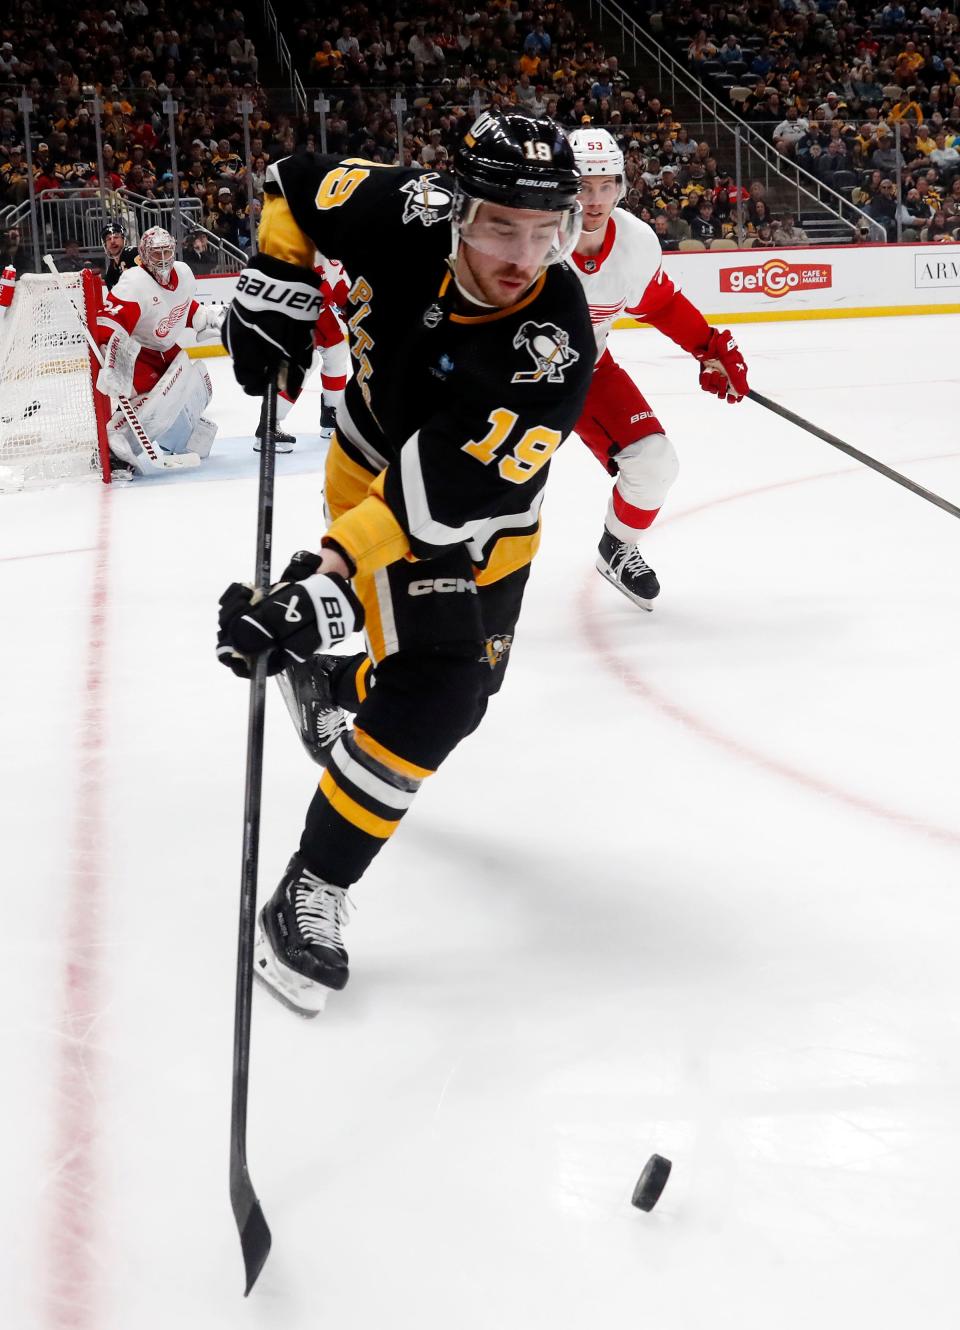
113,228
516,161
520,161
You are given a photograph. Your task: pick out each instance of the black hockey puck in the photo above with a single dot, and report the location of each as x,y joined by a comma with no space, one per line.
651,1182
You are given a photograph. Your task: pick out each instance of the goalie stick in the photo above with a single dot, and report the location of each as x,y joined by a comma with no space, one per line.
254,1233
130,415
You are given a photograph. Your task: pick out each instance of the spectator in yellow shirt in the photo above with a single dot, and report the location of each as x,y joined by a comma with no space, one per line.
905,107
908,62
924,141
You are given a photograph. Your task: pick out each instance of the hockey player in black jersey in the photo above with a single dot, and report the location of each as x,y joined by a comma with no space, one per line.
120,256
473,352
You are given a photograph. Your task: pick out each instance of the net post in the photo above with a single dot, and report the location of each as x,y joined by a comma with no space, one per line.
92,303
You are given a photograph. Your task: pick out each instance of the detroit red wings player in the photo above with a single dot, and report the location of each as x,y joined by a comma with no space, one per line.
618,261
331,351
139,326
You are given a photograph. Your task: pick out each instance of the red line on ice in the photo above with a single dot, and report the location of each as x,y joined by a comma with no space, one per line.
635,683
71,1249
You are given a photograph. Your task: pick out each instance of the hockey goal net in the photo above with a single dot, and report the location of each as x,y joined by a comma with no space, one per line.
52,419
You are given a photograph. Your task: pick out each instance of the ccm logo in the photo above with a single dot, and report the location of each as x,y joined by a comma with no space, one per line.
444,584
274,293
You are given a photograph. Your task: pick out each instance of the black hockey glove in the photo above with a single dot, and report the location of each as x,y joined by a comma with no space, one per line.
271,319
292,622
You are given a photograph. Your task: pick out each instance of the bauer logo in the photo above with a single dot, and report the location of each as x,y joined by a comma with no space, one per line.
776,278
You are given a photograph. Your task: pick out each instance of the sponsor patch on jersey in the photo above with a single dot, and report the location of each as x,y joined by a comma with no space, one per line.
551,351
426,200
443,368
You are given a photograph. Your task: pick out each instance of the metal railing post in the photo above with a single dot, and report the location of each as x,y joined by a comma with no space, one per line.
98,131
398,106
246,109
322,106
171,108
739,184
25,105
896,139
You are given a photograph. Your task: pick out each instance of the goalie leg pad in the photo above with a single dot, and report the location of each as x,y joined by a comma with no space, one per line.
172,409
201,440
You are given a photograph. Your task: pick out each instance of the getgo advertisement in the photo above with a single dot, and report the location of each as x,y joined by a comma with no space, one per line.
776,278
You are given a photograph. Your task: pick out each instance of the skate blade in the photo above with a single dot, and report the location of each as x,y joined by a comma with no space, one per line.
299,995
609,576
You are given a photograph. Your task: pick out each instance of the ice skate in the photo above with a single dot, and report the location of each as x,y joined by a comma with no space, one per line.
283,442
317,718
299,953
624,566
328,421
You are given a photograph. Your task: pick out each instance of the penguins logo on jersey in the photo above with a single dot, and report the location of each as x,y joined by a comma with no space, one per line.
551,351
495,648
426,201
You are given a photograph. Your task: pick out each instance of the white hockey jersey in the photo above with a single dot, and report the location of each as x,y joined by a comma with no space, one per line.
625,277
152,314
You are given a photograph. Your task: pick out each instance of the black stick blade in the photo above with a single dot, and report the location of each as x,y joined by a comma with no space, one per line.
254,1233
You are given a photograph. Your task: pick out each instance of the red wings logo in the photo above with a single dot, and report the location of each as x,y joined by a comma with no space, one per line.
166,326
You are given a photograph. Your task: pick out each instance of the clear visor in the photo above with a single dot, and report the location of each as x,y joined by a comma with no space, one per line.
529,239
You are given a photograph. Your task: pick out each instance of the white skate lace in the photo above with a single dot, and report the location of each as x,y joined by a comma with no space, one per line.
331,723
321,910
632,561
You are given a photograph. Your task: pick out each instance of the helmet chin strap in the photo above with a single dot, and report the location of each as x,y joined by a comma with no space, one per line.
467,295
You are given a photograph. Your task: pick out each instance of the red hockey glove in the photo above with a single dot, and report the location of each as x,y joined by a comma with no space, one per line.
723,370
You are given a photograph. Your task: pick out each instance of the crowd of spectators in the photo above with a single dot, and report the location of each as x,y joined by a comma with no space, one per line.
829,82
541,60
445,63
133,58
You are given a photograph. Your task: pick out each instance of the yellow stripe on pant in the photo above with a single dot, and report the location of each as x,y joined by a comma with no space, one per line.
355,813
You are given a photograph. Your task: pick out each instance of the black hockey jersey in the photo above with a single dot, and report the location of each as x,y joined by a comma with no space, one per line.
461,408
117,267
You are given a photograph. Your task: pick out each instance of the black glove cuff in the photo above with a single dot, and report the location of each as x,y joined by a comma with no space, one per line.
329,544
302,565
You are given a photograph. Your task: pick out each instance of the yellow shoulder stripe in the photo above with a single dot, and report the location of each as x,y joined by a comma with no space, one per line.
281,237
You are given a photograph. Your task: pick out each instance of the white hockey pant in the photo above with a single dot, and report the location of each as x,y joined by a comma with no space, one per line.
334,365
171,414
647,469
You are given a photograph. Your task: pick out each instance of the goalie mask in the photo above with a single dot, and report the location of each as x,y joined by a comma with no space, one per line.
523,162
596,153
157,253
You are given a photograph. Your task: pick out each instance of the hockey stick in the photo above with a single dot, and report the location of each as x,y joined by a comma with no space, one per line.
855,453
254,1233
132,419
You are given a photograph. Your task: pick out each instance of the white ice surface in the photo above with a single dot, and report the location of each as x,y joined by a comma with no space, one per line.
692,888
